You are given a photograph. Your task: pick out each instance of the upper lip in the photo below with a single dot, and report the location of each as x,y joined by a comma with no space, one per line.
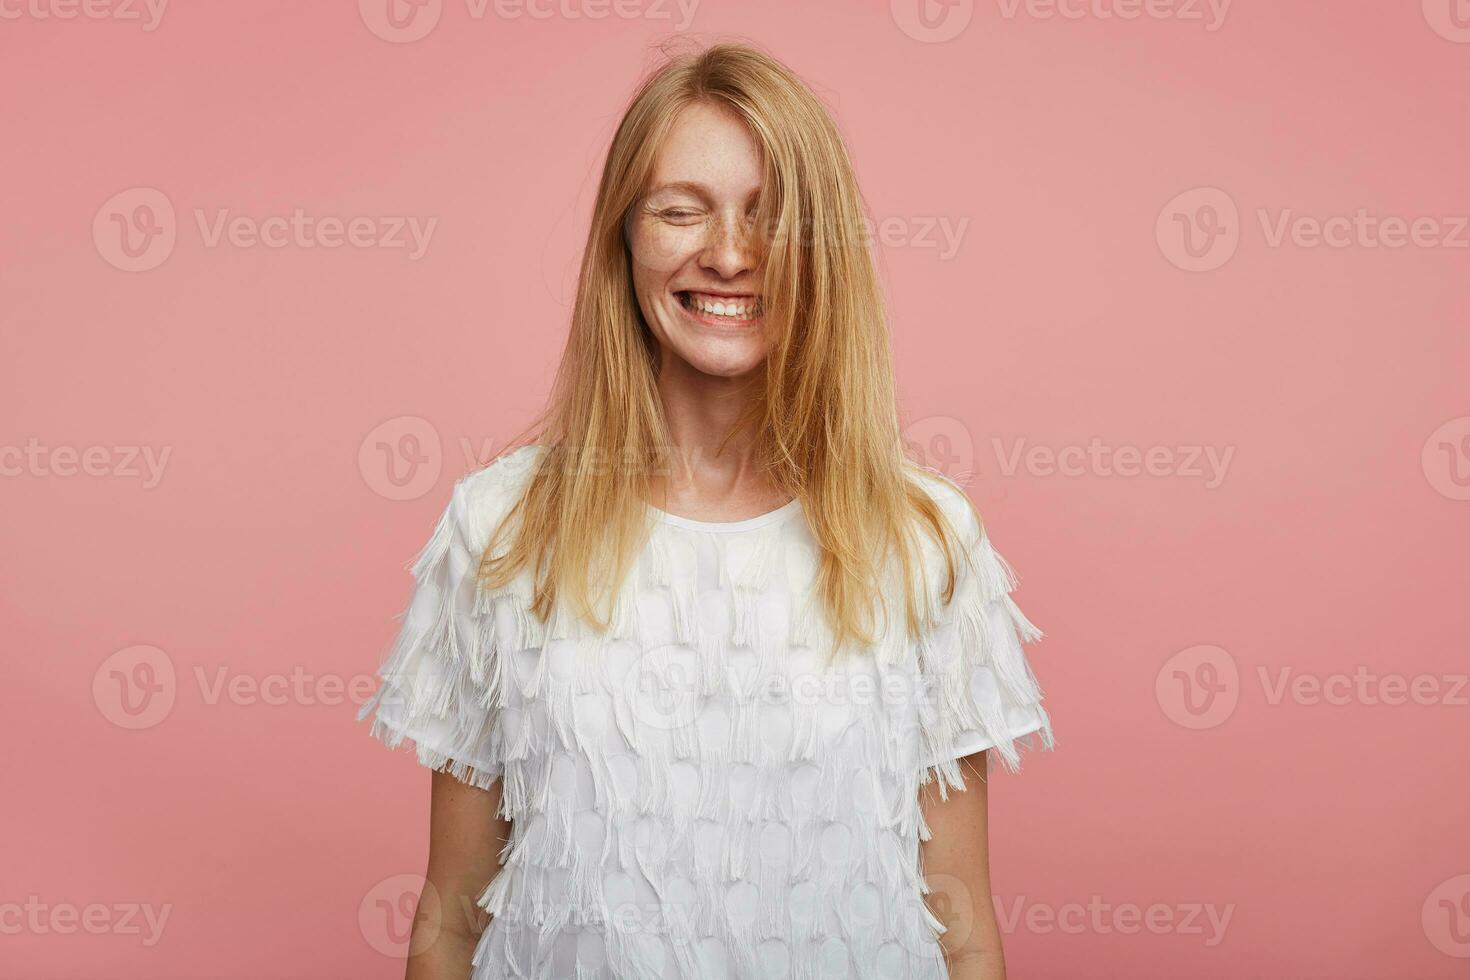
719,292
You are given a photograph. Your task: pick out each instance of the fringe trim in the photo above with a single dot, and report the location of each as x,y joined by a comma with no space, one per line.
483,775
488,692
977,686
434,675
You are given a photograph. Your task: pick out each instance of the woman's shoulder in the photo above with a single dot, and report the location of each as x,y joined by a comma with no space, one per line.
510,468
485,494
983,573
950,498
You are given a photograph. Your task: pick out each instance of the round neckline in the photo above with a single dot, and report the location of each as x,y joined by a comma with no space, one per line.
759,520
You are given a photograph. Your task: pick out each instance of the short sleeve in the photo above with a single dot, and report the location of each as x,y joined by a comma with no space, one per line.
435,680
979,688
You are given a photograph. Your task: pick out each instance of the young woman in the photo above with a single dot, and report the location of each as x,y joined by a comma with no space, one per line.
697,661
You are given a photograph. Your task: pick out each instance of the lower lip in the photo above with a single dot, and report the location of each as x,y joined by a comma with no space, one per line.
710,320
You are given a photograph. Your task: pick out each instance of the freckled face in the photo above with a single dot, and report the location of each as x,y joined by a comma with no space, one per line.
694,255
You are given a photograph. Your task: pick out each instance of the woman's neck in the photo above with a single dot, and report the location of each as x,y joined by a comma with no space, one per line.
712,477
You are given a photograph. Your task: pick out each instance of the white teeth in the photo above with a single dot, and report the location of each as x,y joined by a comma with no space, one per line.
739,311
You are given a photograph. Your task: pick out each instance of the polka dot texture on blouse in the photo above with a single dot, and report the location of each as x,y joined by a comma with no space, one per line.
693,794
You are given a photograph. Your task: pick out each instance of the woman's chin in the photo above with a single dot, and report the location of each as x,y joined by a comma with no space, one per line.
719,357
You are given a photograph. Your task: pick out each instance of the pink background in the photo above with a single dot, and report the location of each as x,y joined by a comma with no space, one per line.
1333,835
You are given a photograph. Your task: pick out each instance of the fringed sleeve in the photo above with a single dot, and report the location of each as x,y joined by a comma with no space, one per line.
434,688
980,690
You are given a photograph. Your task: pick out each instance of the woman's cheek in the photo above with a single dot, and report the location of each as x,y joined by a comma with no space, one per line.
665,248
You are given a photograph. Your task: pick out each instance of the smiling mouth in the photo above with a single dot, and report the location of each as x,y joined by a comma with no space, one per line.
709,308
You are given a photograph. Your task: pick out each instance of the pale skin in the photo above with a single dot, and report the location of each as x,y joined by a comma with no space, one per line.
691,233
956,861
465,838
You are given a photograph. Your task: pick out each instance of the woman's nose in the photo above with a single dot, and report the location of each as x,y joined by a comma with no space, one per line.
730,248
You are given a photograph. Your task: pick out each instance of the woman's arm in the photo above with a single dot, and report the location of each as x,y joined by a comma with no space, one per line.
956,862
466,835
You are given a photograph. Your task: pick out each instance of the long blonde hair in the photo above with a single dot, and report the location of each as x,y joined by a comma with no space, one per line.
824,417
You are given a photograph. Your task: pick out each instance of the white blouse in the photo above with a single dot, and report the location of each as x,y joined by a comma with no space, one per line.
692,794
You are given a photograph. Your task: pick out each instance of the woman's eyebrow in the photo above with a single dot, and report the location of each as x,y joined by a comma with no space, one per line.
691,187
